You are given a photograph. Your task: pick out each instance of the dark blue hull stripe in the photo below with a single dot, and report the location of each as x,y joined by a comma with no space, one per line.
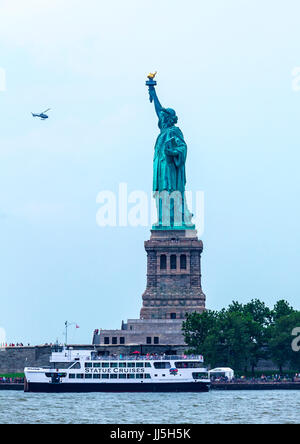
118,388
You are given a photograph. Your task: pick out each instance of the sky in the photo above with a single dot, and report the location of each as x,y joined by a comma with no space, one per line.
226,68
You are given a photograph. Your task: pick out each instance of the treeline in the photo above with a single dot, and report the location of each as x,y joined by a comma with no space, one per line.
241,335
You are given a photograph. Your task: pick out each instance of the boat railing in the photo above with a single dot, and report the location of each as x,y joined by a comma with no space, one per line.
146,358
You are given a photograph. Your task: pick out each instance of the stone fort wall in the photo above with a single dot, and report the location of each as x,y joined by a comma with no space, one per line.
15,359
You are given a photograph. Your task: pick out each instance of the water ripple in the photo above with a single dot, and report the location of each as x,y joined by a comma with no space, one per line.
216,407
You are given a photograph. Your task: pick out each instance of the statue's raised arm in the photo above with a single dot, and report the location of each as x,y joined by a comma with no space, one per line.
151,83
157,104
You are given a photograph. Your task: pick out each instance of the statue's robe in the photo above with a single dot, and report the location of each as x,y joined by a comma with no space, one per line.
169,170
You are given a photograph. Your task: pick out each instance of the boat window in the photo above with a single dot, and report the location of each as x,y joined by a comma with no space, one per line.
188,364
96,376
139,376
122,376
147,376
113,376
80,376
162,365
62,365
88,376
76,365
105,364
72,376
130,364
131,376
200,375
97,364
54,375
114,364
147,365
105,376
88,364
140,365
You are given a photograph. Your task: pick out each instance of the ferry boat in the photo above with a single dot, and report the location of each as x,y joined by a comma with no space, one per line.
85,371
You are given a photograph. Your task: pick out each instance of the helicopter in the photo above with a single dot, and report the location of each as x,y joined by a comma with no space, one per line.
43,115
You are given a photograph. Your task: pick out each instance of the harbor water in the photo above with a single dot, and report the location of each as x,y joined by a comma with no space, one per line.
216,407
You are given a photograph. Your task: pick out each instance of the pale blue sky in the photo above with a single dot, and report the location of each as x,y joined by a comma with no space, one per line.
226,69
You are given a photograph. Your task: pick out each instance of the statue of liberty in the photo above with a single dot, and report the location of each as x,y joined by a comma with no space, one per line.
169,176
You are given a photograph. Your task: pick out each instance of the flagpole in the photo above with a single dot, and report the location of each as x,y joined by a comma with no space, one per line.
67,324
66,334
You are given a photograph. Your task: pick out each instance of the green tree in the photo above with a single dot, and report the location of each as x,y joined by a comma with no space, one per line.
257,316
197,328
261,317
234,339
259,312
281,308
223,338
280,343
243,334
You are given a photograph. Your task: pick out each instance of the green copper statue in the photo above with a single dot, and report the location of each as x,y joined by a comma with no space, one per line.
169,176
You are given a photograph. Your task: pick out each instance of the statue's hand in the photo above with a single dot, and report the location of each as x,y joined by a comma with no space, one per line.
171,151
171,147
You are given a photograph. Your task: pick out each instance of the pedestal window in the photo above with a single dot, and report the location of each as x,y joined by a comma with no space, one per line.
183,262
173,262
163,262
